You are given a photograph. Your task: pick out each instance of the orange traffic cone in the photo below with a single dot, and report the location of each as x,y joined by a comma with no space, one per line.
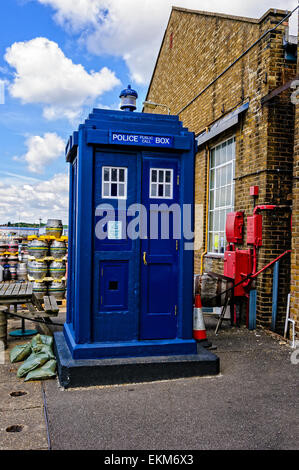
199,329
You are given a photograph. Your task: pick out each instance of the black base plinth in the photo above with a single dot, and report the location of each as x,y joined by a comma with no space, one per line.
91,372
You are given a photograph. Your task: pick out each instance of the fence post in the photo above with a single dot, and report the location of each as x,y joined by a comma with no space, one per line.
275,295
252,310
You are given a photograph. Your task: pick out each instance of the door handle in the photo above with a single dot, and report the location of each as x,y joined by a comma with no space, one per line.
144,258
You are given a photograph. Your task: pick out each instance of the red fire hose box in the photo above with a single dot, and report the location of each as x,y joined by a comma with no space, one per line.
234,227
238,265
255,230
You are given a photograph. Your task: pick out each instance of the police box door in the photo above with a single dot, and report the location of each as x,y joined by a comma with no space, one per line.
116,268
160,252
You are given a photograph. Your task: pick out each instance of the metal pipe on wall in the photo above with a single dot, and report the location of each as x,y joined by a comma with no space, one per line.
207,211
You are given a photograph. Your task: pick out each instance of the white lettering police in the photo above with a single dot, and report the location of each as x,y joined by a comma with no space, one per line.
125,138
141,139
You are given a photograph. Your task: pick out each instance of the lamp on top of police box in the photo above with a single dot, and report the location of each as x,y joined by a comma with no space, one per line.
128,99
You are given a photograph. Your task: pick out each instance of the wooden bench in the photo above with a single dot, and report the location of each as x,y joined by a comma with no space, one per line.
50,305
43,310
15,293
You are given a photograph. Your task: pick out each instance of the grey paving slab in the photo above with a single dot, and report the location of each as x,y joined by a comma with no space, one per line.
20,395
8,372
32,435
21,404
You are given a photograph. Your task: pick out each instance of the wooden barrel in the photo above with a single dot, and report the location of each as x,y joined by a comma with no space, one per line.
54,227
3,327
57,269
57,289
22,272
38,270
13,273
3,246
3,259
58,249
39,289
38,249
12,260
13,246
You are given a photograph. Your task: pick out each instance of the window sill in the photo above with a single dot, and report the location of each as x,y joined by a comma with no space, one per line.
215,255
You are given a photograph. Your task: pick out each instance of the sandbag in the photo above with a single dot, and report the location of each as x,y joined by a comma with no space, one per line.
47,371
20,352
34,361
41,339
43,348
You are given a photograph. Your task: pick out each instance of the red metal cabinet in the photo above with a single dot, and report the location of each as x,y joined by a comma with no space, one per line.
234,227
238,265
254,190
255,230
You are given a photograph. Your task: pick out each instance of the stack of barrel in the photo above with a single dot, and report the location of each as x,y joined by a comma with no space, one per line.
4,271
24,250
11,268
46,263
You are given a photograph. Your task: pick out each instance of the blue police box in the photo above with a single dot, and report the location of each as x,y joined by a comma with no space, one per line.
130,284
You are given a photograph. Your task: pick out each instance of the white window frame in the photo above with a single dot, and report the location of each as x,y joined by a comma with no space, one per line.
110,182
164,183
226,208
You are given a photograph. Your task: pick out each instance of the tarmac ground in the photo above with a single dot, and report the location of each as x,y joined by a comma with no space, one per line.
251,405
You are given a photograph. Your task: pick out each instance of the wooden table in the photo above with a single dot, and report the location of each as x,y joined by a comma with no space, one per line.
14,293
21,293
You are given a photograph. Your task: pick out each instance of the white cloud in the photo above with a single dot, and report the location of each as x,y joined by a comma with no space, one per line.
28,202
78,13
133,29
45,75
8,178
42,151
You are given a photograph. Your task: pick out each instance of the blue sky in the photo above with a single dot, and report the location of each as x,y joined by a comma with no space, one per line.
58,60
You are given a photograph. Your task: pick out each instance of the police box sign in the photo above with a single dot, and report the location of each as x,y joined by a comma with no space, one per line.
138,139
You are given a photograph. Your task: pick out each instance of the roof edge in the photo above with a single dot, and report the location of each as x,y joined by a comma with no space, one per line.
158,56
246,19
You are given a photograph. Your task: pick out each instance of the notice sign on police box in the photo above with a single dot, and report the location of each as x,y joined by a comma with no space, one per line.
138,139
114,230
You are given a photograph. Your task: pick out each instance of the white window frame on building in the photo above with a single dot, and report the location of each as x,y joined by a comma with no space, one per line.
117,180
221,193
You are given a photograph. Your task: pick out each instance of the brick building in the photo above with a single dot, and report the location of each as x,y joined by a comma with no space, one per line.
239,107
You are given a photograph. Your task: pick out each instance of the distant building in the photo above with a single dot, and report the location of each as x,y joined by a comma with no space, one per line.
6,231
18,231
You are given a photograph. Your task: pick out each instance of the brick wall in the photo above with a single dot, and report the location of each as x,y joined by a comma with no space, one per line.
197,47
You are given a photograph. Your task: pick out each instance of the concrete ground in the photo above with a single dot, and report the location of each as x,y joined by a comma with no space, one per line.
22,413
252,404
